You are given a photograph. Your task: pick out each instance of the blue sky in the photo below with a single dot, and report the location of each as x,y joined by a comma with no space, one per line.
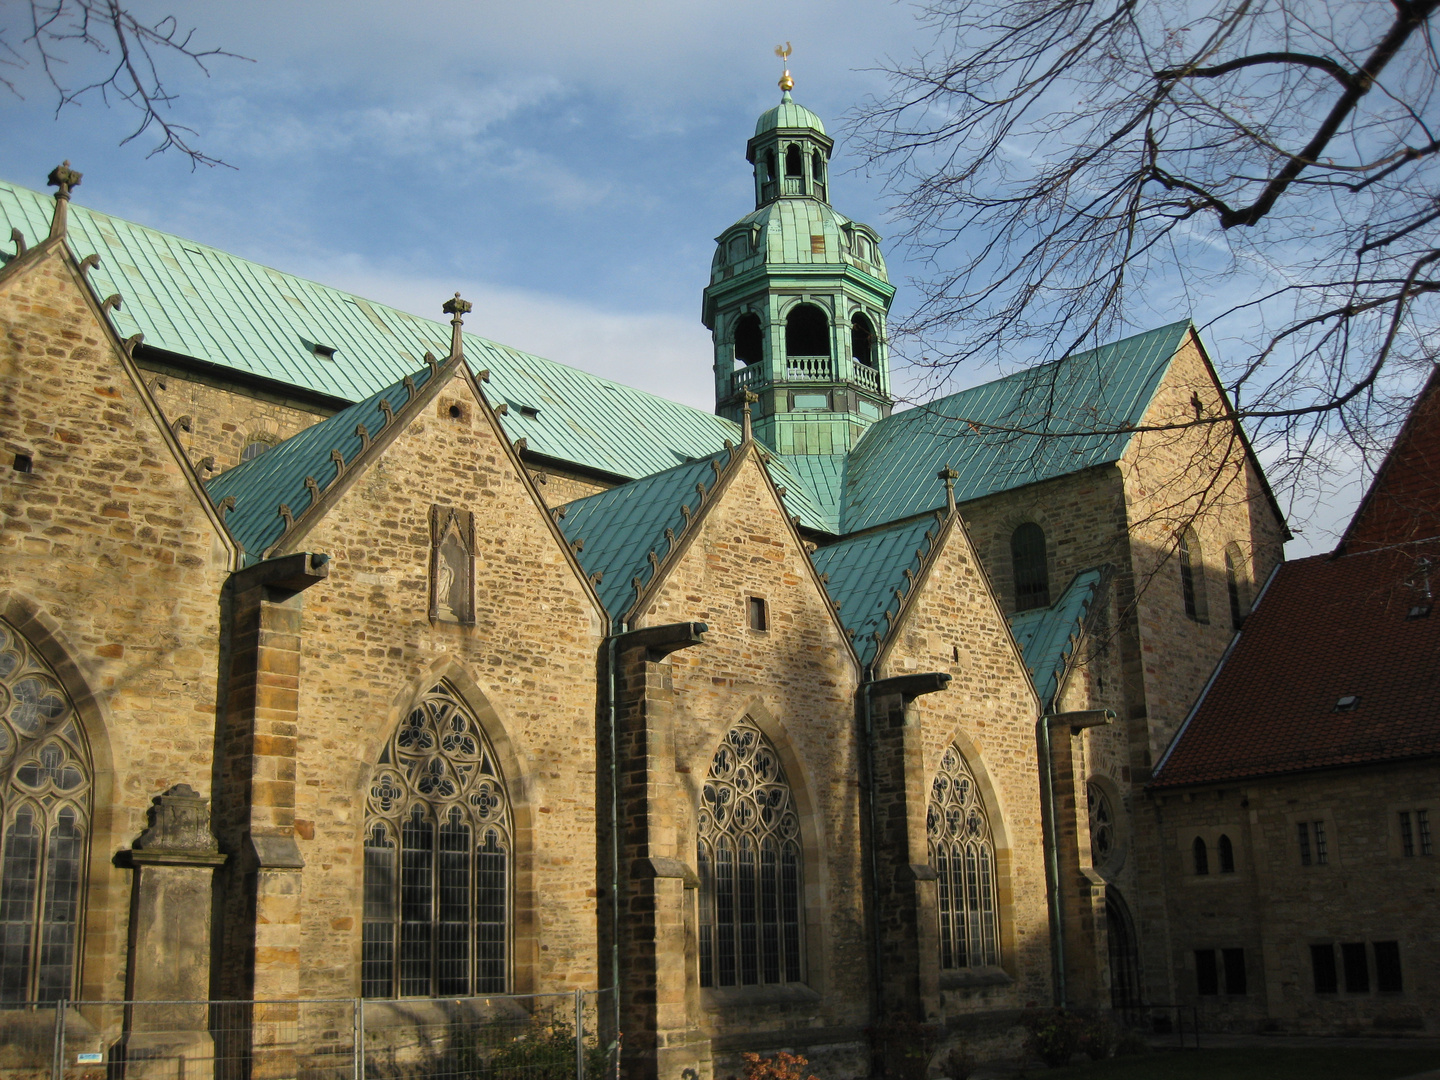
565,166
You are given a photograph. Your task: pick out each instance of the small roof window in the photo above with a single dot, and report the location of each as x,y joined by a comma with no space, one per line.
1348,703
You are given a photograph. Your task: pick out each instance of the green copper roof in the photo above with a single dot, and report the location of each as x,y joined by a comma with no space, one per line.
865,572
786,231
619,528
788,115
824,478
203,303
1047,635
259,486
890,474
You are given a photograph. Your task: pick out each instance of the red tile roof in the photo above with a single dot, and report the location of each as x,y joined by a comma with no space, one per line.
1327,627
1403,502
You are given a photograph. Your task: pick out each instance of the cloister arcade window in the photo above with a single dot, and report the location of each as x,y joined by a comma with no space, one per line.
749,344
963,855
862,340
750,864
437,859
1030,567
807,331
45,793
1192,577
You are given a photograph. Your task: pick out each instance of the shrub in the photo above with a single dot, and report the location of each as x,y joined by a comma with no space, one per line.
959,1063
782,1066
1097,1039
1131,1042
1054,1036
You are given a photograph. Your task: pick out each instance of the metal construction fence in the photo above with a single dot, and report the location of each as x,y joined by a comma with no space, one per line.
500,1037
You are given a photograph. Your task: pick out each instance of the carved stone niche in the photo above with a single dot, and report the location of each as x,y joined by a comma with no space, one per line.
452,565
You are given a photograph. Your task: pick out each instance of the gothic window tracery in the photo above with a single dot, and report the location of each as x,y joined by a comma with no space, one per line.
437,859
962,852
1105,849
45,795
750,864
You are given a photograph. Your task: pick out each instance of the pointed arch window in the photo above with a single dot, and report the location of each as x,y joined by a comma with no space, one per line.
1192,577
750,864
1030,566
46,780
1237,585
962,852
437,859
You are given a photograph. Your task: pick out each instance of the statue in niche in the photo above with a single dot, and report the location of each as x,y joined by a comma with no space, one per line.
452,565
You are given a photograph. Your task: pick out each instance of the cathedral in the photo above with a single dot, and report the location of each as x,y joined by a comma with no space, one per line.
350,655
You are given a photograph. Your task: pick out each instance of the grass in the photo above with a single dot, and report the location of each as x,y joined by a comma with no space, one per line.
1263,1063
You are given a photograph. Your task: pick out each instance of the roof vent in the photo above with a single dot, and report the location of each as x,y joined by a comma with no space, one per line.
1348,703
1419,611
324,352
529,411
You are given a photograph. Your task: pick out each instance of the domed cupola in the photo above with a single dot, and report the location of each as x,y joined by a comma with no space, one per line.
798,298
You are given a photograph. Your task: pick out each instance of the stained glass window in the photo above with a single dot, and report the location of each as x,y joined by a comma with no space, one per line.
963,855
45,788
750,866
437,860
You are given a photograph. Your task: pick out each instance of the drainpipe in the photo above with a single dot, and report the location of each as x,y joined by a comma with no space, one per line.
611,649
1077,722
874,890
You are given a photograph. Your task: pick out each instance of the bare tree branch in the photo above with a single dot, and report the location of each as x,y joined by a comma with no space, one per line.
125,53
1067,168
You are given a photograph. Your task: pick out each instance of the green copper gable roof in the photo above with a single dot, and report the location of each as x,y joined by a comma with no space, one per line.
890,474
619,528
1047,635
788,115
200,302
866,570
262,484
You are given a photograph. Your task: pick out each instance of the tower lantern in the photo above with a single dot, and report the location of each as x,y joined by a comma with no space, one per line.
798,298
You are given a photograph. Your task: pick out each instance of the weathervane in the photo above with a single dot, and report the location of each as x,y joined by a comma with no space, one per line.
783,52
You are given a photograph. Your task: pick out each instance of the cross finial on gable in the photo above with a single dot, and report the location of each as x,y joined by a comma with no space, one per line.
748,398
62,178
949,475
457,309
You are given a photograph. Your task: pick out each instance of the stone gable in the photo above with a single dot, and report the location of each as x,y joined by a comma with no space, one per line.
110,566
526,667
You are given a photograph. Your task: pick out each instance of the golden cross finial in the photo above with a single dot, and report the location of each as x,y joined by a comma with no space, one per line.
783,52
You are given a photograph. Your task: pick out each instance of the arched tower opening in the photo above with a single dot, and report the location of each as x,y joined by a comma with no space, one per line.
807,332
749,341
862,340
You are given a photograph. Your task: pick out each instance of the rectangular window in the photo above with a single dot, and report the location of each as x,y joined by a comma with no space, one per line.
1357,967
1321,855
759,617
1387,967
1303,829
811,402
1207,974
1234,970
1407,835
1422,823
1322,961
